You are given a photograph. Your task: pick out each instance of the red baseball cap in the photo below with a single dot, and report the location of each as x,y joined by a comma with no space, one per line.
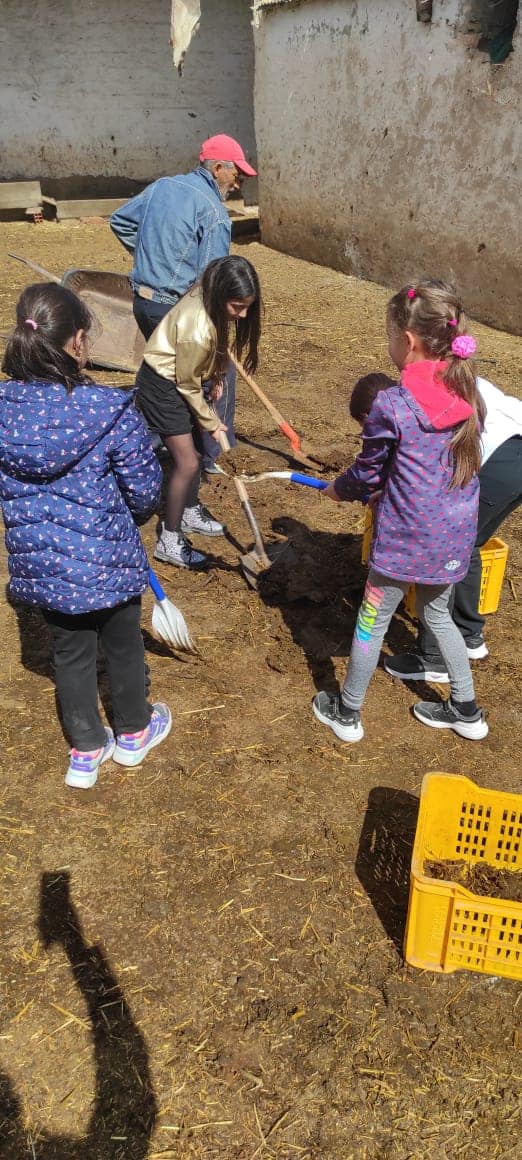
223,148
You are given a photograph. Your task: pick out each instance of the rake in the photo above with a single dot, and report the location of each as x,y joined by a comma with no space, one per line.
168,623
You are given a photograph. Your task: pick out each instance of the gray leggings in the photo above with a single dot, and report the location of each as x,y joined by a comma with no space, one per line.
381,598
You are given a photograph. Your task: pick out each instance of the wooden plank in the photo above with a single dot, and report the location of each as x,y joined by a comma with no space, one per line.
89,207
19,194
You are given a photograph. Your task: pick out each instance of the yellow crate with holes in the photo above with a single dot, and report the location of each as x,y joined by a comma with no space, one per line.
493,554
448,927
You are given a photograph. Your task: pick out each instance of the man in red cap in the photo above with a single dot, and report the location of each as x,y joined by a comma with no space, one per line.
173,229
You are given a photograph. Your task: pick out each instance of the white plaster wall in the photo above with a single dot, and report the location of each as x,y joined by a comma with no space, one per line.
90,89
389,148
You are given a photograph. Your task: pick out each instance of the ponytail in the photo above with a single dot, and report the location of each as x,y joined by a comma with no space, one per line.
432,310
47,316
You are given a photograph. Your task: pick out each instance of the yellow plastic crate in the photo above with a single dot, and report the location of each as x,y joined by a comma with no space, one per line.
493,554
448,928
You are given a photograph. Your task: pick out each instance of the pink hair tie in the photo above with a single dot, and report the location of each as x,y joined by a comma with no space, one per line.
463,346
31,322
452,322
411,293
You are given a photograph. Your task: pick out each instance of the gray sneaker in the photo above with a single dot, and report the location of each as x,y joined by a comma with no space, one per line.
476,646
345,723
198,519
174,548
413,667
444,715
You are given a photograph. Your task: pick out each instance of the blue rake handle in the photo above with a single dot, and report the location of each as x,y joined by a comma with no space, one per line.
156,586
308,480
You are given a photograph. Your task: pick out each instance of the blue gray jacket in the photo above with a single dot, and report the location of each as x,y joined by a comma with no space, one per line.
174,228
76,470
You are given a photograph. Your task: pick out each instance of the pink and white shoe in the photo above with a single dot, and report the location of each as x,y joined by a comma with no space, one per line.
132,748
85,763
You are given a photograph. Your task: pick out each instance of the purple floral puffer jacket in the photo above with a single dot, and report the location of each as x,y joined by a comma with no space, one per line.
424,530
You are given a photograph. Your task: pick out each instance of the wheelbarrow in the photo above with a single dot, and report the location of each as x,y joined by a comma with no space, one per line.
117,344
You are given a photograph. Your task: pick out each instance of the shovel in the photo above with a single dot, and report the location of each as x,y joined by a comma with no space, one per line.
300,451
168,623
256,560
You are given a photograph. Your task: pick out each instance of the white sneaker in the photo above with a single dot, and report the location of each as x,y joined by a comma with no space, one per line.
199,519
174,548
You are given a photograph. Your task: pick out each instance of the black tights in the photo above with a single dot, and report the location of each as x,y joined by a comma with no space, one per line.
183,485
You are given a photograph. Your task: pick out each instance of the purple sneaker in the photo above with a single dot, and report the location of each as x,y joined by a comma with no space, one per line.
132,748
85,763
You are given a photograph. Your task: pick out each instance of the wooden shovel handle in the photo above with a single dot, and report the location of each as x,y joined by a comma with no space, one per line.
258,539
222,439
284,427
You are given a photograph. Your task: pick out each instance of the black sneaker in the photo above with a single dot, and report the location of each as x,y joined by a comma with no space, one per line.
345,723
411,667
476,646
443,715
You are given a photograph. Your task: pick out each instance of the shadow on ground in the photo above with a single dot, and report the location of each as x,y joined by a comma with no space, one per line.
383,859
125,1109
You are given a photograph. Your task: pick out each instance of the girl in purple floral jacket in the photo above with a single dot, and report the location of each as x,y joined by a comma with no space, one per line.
421,452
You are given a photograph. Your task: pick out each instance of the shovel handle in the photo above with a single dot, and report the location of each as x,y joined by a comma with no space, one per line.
222,439
285,428
258,539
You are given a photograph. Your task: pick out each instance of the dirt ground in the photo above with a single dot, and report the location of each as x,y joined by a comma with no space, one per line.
202,957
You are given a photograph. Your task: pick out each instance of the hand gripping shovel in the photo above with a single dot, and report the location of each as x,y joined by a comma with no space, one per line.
168,623
300,451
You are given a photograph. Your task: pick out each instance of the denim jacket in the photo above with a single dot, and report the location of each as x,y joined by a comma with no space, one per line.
174,228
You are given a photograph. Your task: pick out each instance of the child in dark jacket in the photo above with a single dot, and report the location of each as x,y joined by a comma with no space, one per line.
76,471
421,451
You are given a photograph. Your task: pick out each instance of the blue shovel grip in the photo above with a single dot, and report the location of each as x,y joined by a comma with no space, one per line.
156,586
308,480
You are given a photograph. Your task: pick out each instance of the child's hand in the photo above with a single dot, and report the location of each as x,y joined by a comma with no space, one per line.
216,390
331,493
374,499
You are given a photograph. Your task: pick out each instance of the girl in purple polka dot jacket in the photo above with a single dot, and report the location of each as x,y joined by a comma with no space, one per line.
420,460
77,473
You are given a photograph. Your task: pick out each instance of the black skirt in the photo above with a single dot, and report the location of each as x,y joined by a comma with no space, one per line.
161,405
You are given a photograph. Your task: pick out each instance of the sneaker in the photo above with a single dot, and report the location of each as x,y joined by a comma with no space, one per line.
443,715
174,548
413,667
476,646
214,469
85,763
132,748
345,723
199,519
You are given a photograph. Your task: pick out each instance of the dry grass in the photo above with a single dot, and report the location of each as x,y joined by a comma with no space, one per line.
201,957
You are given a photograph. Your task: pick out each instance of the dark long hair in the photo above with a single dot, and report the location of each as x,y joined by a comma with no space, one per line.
432,310
233,279
47,316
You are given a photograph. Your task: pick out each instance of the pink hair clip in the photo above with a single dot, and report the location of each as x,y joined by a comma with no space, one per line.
452,322
463,346
31,322
411,293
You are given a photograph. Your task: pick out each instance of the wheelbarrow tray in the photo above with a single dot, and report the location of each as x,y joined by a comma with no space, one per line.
117,343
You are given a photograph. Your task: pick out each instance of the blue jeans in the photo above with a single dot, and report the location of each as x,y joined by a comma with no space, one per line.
225,408
148,314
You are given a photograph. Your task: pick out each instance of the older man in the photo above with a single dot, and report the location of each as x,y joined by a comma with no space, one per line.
173,229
